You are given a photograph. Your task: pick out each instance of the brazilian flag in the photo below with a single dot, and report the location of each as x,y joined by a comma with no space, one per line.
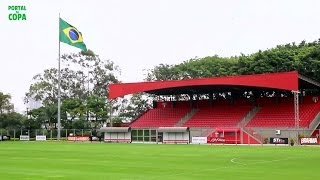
71,36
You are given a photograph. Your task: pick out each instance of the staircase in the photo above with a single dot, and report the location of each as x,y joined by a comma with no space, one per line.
186,117
209,132
315,123
253,134
248,117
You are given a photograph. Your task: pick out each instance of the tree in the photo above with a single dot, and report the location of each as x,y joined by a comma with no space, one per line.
130,109
97,110
81,124
195,68
75,109
8,118
11,120
83,89
5,104
162,72
80,75
304,58
46,115
206,67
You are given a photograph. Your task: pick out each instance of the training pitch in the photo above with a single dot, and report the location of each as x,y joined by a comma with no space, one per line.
67,160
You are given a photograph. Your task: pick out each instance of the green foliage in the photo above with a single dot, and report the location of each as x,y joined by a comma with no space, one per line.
81,124
45,115
304,58
206,67
75,107
5,105
162,72
8,118
11,120
81,73
130,109
83,90
97,106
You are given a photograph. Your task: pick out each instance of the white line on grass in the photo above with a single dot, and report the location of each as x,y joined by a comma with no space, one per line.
257,162
236,164
234,161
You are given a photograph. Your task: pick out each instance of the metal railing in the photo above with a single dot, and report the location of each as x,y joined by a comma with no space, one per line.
50,134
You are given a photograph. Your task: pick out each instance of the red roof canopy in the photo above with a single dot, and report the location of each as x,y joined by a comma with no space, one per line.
281,81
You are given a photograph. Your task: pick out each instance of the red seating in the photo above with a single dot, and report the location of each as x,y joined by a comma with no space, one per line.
220,116
160,117
282,114
219,113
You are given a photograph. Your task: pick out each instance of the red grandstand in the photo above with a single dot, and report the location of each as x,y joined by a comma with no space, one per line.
234,109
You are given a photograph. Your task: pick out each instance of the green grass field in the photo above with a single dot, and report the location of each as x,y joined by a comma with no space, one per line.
66,160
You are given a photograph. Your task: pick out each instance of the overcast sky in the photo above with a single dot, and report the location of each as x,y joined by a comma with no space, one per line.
139,34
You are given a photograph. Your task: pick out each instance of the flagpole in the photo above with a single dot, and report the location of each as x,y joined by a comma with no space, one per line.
59,90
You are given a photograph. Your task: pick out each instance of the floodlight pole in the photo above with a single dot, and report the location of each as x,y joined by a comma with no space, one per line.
110,102
296,113
111,124
296,109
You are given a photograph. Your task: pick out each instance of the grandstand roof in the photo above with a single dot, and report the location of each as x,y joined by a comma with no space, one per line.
290,81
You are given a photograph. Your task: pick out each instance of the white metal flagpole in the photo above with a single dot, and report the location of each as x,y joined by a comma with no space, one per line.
59,90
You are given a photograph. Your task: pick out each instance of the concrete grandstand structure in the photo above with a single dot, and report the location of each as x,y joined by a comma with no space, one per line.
244,109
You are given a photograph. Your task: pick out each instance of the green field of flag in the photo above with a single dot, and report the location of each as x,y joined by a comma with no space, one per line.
70,35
